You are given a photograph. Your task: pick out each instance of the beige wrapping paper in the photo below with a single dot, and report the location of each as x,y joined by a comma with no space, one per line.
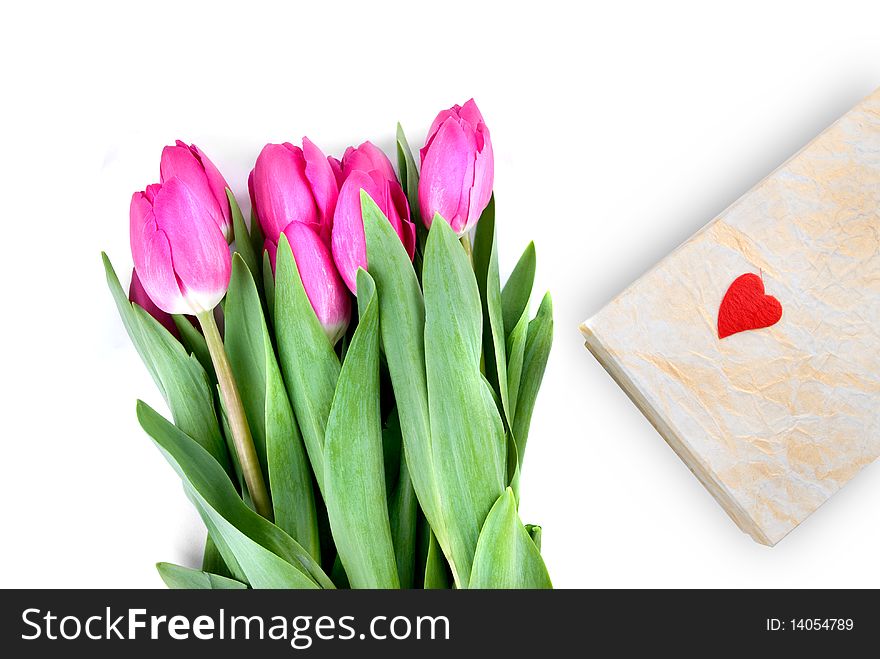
772,421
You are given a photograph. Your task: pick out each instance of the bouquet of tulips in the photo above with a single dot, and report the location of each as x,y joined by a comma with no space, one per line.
350,385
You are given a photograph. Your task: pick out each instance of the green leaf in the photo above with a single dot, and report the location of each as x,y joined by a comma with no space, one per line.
534,532
537,350
179,376
518,289
506,555
402,326
516,346
436,567
194,341
269,287
258,240
403,511
409,175
468,444
183,578
276,435
392,450
243,245
309,365
212,561
354,478
256,551
489,284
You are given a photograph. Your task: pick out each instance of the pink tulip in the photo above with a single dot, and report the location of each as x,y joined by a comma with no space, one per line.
458,168
348,240
366,158
320,279
172,219
192,166
292,184
336,166
138,295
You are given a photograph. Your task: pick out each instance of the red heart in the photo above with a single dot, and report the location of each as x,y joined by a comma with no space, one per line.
746,307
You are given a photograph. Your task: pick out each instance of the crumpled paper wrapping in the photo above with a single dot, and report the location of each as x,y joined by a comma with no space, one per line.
776,420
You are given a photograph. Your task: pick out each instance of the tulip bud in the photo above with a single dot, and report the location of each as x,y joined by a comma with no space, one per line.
172,219
320,279
336,166
366,158
138,295
378,181
192,166
292,184
458,168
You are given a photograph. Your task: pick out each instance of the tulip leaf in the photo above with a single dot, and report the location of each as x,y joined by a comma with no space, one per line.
534,532
256,551
402,325
269,287
516,346
489,283
403,506
308,362
468,445
392,449
212,561
243,245
194,341
518,289
409,176
179,376
506,556
276,436
436,567
178,577
536,352
258,240
354,474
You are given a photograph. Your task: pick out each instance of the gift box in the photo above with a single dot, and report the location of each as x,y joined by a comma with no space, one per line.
754,347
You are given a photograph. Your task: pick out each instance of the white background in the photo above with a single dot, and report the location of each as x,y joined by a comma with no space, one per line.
619,129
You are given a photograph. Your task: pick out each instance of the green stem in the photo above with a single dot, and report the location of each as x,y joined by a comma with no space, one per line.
241,432
466,244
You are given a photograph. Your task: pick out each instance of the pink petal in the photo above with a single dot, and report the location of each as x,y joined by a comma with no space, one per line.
348,241
151,254
444,170
199,252
441,117
484,179
471,113
320,279
180,162
139,296
218,185
400,205
336,166
367,157
325,189
281,189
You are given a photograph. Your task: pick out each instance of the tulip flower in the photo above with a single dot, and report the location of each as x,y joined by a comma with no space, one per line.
336,166
293,184
367,168
182,259
366,158
171,219
458,168
192,166
321,281
138,295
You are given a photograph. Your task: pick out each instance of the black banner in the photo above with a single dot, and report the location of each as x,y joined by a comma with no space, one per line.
434,623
